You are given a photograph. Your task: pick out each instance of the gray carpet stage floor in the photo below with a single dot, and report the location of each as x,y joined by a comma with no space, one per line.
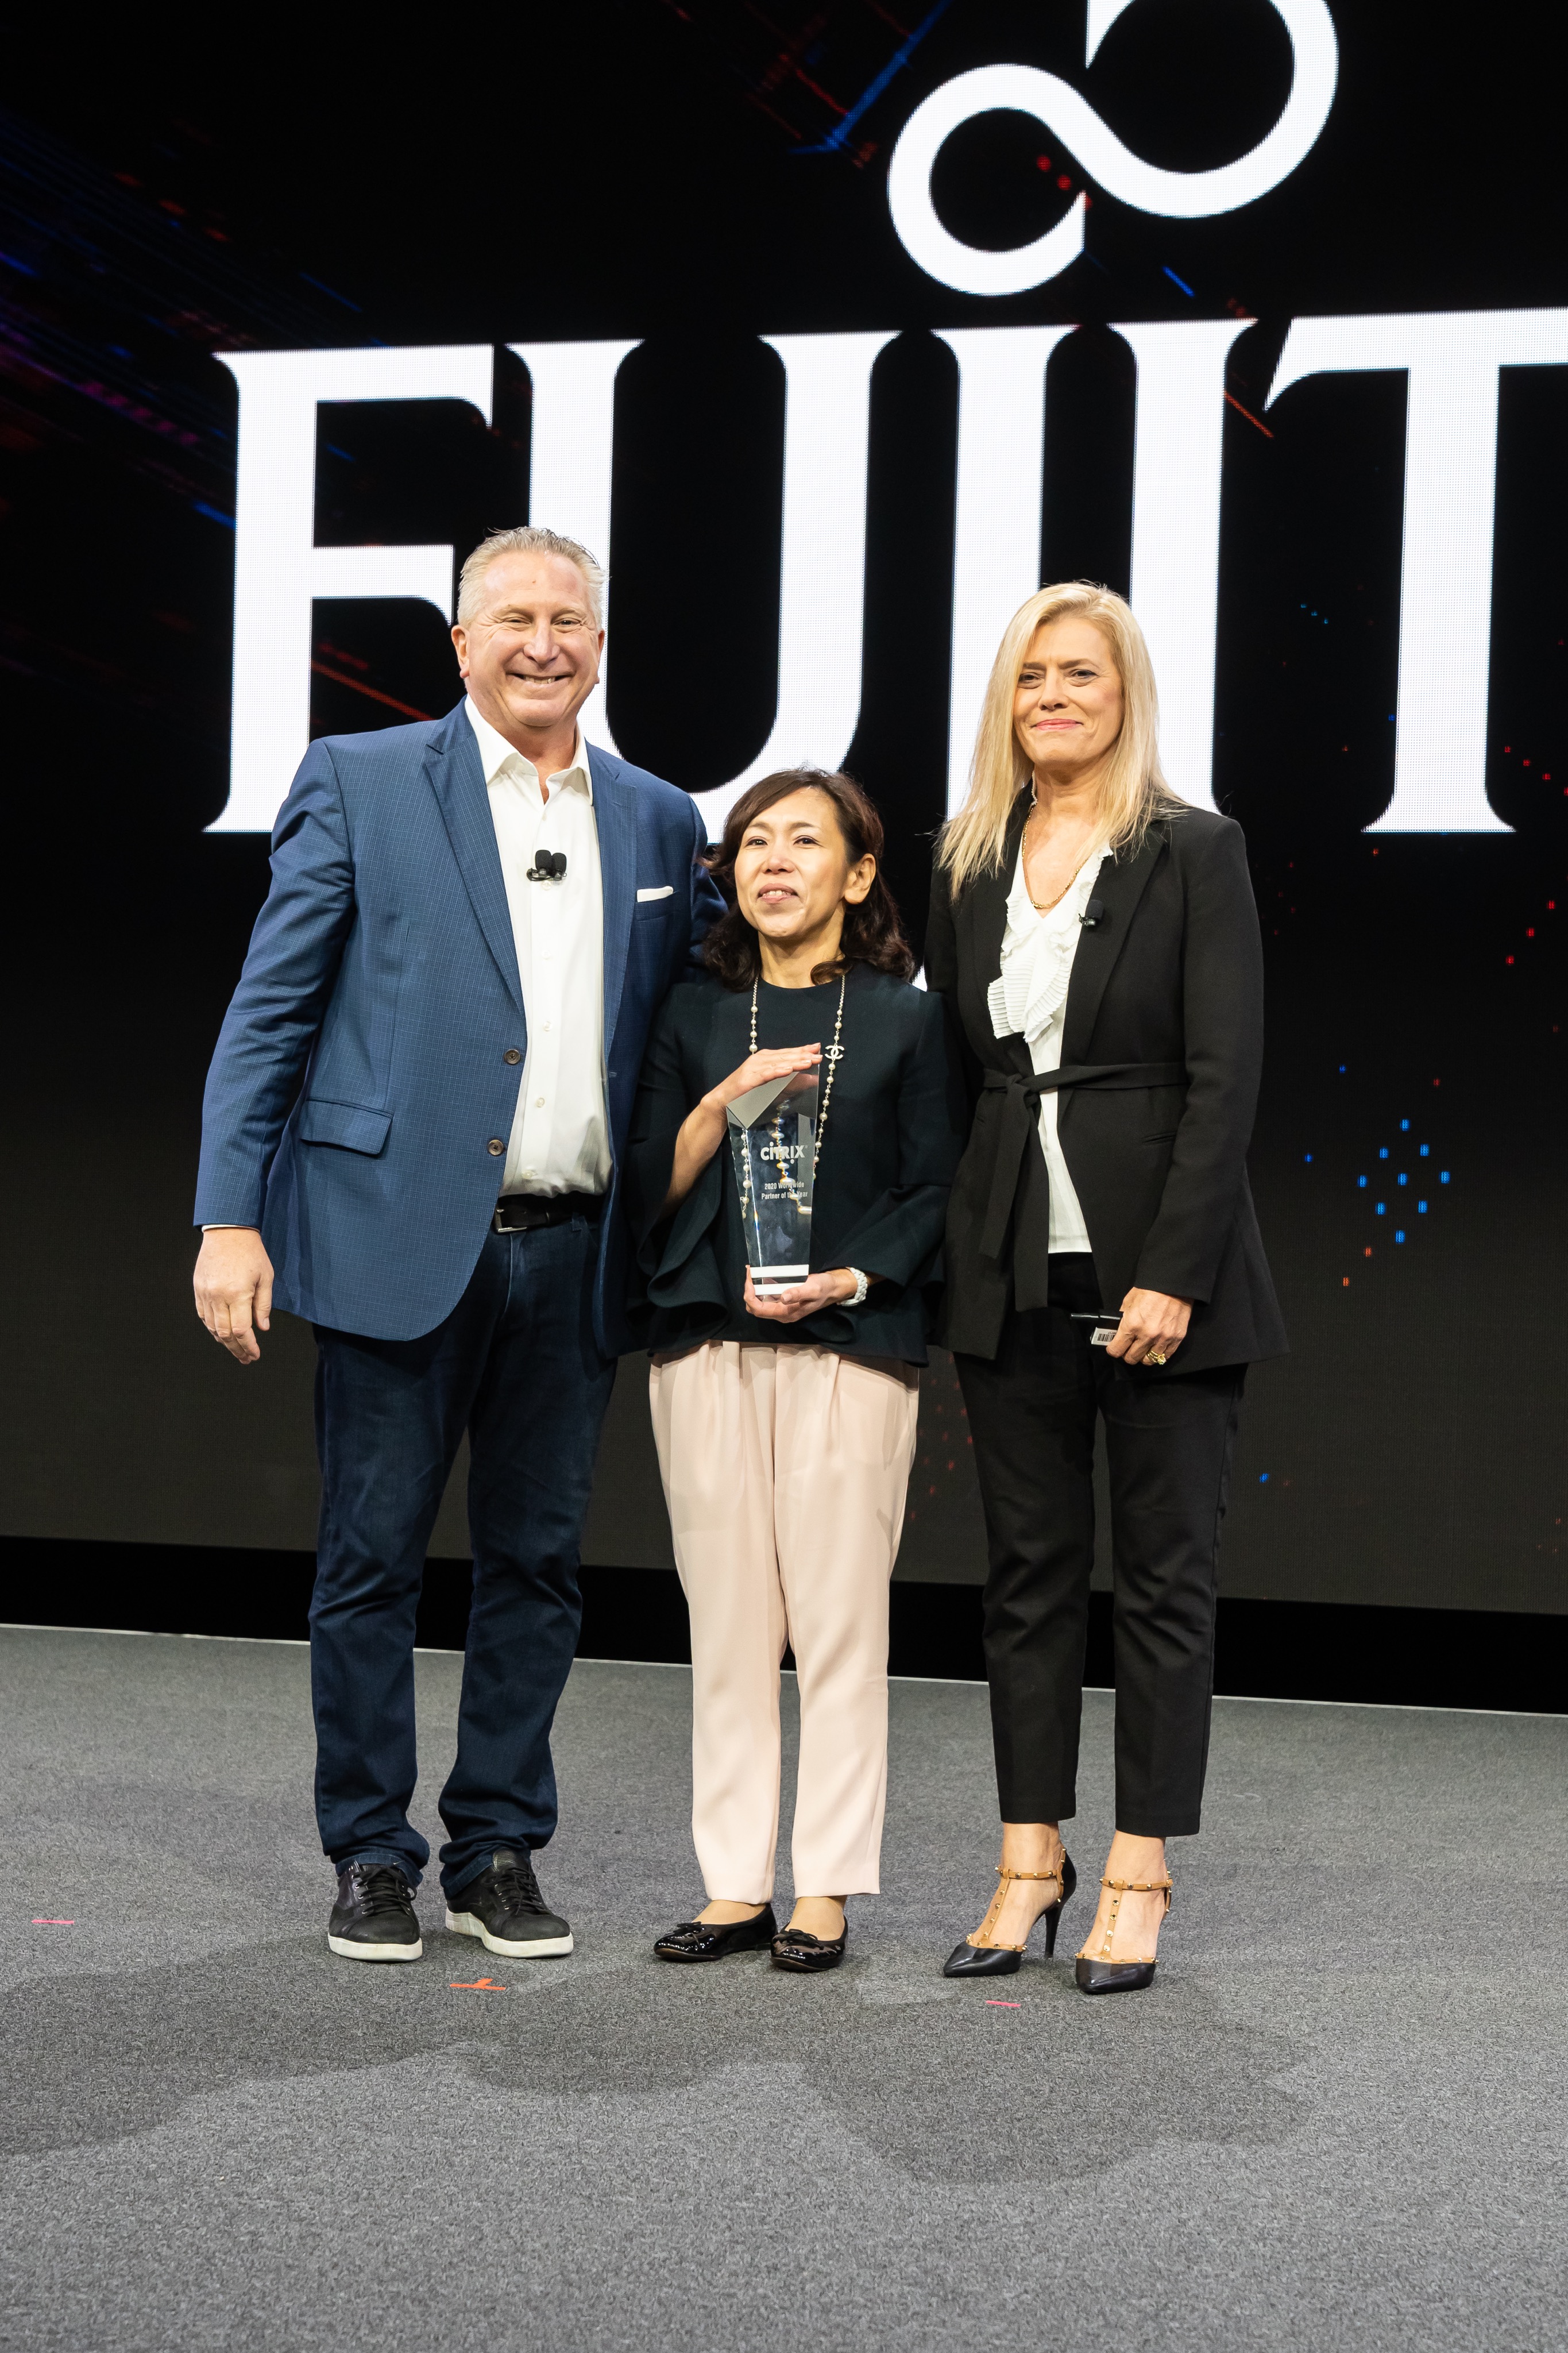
1337,2119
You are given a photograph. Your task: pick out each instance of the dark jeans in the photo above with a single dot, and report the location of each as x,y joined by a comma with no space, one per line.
1170,1439
516,1366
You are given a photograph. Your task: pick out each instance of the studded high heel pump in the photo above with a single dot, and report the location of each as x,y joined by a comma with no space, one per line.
976,1960
1100,1974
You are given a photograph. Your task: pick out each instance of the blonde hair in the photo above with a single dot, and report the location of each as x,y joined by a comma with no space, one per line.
529,539
1133,792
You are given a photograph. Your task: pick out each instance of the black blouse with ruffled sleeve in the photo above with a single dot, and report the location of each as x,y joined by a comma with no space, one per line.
895,1127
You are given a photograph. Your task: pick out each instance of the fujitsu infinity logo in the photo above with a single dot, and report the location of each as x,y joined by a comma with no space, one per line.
1064,113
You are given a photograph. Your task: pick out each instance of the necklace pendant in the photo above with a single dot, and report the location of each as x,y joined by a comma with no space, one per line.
833,1053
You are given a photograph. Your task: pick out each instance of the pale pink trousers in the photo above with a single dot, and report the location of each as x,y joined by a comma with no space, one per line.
785,1471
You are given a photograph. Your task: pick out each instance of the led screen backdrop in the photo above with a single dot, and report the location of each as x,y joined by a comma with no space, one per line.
838,330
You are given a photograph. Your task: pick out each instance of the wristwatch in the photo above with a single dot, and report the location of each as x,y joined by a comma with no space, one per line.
861,1287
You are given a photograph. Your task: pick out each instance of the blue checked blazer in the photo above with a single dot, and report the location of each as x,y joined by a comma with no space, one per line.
360,1072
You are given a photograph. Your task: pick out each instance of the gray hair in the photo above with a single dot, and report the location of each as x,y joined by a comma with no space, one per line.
529,539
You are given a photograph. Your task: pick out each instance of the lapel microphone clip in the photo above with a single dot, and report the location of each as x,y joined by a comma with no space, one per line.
549,866
1093,914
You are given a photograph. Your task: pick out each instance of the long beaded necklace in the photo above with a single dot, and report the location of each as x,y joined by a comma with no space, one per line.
832,1055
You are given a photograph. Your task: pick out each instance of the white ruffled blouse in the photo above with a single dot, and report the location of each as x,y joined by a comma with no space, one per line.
1028,1000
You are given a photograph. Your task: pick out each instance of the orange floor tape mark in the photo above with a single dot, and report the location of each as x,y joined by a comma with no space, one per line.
474,1985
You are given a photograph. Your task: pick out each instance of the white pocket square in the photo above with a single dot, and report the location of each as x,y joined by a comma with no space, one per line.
659,890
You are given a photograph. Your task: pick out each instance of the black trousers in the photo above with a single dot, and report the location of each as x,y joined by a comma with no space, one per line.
1170,1440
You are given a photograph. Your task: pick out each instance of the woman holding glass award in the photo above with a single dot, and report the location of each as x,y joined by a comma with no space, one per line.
1098,942
800,1117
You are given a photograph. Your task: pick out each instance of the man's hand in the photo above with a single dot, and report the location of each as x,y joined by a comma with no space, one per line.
801,1299
1151,1329
234,1289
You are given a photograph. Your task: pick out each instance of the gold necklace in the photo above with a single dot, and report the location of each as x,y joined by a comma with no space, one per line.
1040,906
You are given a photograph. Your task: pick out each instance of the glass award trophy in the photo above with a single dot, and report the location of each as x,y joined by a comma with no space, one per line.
772,1141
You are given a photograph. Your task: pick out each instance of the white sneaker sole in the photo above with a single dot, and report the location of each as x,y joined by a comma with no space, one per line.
349,1951
542,1948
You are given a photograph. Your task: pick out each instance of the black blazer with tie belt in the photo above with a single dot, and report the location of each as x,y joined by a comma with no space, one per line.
1161,1052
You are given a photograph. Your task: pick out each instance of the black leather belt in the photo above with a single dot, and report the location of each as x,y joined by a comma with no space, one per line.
519,1213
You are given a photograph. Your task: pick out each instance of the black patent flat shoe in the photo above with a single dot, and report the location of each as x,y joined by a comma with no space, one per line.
967,1960
1097,1972
716,1940
797,1948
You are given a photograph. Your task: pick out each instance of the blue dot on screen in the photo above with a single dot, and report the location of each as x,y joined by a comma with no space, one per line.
1399,1234
1404,1126
1421,1209
1444,1178
1263,1478
1383,1150
1361,1182
1426,1151
1402,1179
1308,1158
1342,1070
1383,1208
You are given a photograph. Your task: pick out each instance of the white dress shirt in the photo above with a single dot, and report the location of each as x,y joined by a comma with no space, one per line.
560,1139
1028,998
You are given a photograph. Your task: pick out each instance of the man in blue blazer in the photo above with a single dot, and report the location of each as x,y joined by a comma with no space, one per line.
413,1134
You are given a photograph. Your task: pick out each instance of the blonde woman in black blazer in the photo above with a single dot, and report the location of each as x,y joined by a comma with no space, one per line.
1098,943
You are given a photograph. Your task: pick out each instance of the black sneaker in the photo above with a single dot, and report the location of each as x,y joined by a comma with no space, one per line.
373,1919
504,1909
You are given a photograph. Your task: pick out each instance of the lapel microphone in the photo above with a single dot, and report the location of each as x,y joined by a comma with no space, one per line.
549,866
1093,914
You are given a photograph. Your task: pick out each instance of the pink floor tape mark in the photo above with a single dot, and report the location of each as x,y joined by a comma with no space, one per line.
1001,2005
42,1923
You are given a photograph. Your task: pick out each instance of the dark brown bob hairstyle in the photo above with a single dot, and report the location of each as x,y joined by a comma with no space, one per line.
871,933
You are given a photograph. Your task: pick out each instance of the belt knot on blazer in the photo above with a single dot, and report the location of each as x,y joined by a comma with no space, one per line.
1020,1113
